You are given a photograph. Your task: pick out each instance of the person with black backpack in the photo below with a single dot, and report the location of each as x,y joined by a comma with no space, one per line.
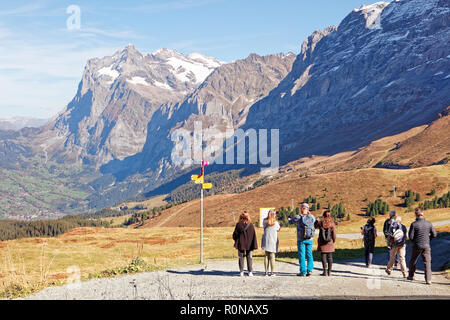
397,234
305,234
369,232
326,240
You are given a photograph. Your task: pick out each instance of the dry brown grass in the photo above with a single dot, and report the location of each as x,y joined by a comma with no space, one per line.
28,265
350,187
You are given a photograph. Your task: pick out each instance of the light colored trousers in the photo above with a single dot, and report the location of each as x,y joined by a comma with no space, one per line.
401,251
269,258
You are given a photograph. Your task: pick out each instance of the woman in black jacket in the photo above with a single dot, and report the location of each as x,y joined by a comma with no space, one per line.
245,242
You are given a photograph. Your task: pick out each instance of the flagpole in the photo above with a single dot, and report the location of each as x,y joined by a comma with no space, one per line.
201,226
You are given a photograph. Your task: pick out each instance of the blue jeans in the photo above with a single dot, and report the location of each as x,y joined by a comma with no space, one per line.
302,246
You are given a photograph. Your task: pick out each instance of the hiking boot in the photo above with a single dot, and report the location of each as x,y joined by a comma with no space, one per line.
266,274
428,282
388,271
324,274
410,278
300,275
308,273
329,273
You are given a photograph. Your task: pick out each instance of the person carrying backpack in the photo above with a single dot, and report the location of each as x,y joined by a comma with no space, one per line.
305,234
386,226
369,232
421,232
326,240
245,242
269,242
397,234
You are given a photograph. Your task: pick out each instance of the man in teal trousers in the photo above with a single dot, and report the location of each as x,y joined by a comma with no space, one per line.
305,234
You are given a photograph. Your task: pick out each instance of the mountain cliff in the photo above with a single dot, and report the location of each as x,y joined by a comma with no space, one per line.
383,70
116,98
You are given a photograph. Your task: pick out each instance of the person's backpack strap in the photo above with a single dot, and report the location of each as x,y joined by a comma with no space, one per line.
247,226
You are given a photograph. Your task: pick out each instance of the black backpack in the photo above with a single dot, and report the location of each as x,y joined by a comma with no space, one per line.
326,233
368,233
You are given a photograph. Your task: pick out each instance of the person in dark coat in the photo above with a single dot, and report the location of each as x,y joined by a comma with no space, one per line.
369,232
421,232
326,240
245,242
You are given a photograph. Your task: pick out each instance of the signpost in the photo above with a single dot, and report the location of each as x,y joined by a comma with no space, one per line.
199,179
263,213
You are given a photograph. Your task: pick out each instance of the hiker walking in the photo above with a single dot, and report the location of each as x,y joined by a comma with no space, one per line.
386,226
269,242
397,234
369,232
421,232
245,242
326,240
305,234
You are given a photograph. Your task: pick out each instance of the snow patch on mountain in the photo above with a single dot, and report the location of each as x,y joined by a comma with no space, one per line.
208,61
185,69
138,80
110,72
162,85
359,92
372,14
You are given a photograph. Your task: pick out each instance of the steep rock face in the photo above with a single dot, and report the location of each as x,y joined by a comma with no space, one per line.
116,98
222,101
383,70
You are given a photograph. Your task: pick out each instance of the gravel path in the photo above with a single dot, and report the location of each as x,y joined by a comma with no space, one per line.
221,280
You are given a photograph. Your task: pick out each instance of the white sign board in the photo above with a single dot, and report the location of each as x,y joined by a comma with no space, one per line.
263,214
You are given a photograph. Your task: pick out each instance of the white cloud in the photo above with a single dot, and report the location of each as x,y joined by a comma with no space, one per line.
38,78
25,9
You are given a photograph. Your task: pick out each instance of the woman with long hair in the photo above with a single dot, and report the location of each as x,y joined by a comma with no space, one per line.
326,240
245,242
269,242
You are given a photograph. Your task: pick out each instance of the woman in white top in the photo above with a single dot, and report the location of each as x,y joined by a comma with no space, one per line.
270,241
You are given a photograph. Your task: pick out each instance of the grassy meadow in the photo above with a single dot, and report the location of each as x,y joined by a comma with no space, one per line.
31,264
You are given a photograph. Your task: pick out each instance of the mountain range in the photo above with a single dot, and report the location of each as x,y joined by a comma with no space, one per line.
383,70
17,123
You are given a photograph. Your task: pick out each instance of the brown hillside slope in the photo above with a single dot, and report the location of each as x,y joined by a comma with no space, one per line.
350,187
418,147
349,177
431,146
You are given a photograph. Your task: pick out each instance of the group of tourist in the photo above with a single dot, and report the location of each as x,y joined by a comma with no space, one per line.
420,233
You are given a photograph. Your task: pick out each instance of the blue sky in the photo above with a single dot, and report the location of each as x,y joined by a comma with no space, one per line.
41,60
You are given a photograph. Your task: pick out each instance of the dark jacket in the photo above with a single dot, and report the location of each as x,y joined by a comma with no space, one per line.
386,227
322,245
369,232
245,238
421,232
